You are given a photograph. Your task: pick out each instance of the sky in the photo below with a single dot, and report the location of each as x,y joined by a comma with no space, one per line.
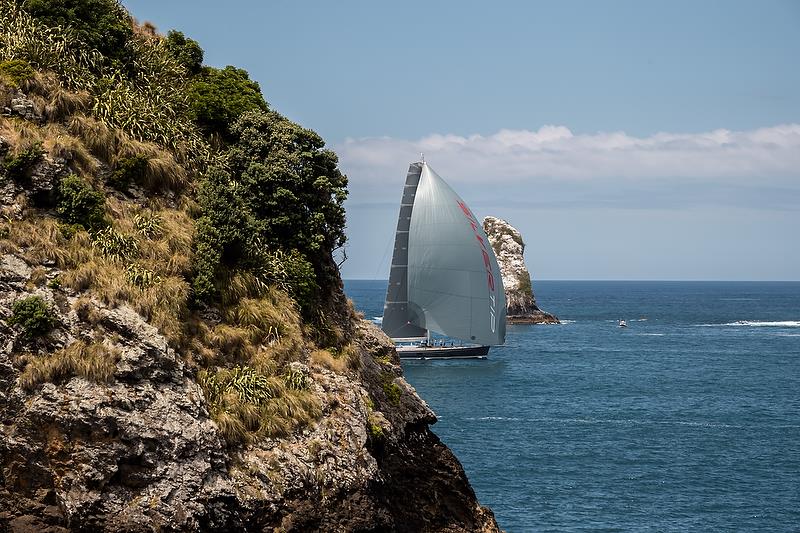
624,139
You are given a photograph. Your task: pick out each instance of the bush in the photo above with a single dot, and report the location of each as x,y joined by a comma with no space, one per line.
115,245
128,171
100,24
45,48
34,315
290,183
141,277
219,96
148,226
79,203
186,51
15,72
247,404
17,166
278,213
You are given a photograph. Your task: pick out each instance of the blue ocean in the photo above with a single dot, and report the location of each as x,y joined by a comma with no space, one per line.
687,420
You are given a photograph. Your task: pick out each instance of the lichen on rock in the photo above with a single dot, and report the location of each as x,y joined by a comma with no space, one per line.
509,247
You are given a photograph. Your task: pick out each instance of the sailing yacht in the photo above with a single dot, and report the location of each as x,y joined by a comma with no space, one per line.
444,276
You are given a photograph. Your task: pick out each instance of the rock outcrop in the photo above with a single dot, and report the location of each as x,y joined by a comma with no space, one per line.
140,452
509,247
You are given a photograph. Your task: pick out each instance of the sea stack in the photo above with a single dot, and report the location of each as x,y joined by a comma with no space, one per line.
508,246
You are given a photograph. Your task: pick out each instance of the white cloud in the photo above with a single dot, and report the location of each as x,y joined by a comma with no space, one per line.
554,152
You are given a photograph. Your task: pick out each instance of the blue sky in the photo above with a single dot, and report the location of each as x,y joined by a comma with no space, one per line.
626,140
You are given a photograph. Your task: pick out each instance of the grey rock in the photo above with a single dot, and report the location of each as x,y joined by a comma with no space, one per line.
509,248
141,453
25,108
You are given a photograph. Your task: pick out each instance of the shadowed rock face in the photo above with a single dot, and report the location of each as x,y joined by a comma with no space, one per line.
509,247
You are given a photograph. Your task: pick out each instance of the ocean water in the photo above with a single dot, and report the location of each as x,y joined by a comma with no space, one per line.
687,420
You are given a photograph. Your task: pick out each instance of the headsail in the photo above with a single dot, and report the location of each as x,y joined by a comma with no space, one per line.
453,276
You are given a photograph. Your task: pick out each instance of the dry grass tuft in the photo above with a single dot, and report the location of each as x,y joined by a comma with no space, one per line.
325,359
38,277
20,134
87,311
162,172
94,362
59,143
99,138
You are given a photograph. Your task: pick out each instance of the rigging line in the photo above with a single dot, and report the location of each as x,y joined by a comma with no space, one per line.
380,264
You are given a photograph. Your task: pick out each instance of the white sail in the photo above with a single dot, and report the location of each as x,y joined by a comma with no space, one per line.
453,283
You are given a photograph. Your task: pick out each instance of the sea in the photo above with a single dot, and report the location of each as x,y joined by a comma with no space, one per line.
686,420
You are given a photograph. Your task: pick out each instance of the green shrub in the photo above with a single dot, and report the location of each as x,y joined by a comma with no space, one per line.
218,96
375,431
278,212
100,24
186,51
115,245
45,48
148,225
79,203
296,380
128,171
295,274
141,277
34,315
17,166
290,183
15,72
391,389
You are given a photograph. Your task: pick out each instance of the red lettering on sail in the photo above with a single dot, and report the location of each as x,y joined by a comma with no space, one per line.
487,263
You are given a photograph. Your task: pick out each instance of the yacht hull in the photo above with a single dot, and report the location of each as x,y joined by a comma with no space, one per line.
442,352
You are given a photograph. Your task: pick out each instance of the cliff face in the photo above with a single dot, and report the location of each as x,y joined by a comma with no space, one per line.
509,247
176,350
106,423
139,452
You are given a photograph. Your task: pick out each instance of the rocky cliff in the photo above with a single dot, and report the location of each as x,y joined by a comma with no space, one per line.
509,247
138,451
176,350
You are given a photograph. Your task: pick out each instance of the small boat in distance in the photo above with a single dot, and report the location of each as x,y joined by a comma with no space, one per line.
622,324
444,275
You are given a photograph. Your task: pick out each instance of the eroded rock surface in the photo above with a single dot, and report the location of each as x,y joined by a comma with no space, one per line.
509,247
140,453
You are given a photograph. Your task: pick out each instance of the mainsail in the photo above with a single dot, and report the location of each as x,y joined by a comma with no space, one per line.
444,275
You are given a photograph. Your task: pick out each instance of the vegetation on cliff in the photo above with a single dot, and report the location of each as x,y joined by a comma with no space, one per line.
151,180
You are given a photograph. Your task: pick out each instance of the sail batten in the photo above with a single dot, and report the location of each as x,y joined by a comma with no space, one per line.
397,315
445,275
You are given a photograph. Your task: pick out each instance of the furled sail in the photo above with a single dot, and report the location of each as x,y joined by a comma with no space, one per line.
452,281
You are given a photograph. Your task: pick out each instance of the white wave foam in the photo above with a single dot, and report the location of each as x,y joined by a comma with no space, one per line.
651,334
567,321
756,324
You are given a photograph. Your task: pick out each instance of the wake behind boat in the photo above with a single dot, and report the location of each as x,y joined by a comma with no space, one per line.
444,275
